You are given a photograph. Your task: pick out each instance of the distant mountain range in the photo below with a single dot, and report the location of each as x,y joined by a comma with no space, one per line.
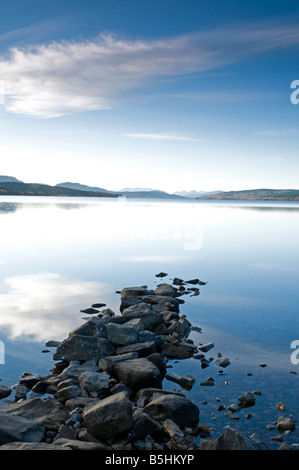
128,192
195,194
10,185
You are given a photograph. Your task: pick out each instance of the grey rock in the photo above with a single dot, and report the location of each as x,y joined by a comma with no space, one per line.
66,393
4,391
285,424
223,362
206,347
21,391
109,417
137,322
179,409
122,335
107,363
29,379
175,352
133,292
247,400
66,432
150,392
138,373
91,381
159,303
75,369
172,428
145,336
166,289
52,343
143,425
94,326
159,362
74,403
180,327
80,348
18,428
142,349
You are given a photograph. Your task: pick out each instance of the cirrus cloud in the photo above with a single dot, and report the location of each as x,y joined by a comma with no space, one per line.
51,80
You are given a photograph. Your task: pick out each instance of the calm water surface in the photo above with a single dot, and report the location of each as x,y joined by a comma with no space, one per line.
60,255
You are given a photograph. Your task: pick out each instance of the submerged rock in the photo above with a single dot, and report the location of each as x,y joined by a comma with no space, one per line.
233,440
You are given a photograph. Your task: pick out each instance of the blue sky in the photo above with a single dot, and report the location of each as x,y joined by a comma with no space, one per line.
171,95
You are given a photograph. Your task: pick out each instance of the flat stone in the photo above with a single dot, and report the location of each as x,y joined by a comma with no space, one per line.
149,392
32,446
49,412
184,380
206,347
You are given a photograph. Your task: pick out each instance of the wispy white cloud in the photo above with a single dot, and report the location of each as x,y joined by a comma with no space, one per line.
162,137
50,80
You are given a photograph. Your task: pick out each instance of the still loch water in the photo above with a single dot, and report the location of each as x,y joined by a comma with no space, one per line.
60,255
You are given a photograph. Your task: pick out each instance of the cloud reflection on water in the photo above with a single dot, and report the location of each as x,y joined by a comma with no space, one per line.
44,306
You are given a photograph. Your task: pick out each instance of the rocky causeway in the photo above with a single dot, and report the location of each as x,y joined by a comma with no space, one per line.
106,390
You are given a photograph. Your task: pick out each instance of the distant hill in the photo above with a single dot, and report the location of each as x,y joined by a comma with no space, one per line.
257,195
34,189
195,194
9,179
82,187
